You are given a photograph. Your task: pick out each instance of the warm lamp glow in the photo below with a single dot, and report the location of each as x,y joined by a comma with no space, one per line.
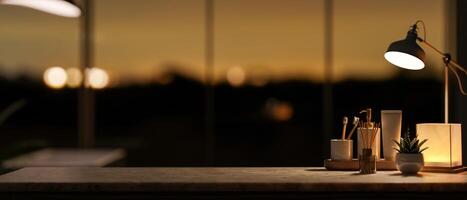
404,60
97,78
55,7
444,144
55,77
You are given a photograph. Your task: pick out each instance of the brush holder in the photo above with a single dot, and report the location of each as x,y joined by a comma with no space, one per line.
376,148
367,162
341,149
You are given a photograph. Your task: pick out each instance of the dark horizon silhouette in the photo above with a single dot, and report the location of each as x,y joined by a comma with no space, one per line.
250,128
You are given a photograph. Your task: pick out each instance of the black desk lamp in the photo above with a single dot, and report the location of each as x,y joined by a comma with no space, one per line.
444,139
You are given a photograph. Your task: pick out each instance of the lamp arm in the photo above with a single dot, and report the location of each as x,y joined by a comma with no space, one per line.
431,46
451,64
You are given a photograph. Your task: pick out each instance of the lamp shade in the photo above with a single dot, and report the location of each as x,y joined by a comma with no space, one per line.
64,8
444,144
406,53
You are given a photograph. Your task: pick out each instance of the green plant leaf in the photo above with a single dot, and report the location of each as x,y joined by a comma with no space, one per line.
412,143
415,147
422,142
423,149
397,143
407,144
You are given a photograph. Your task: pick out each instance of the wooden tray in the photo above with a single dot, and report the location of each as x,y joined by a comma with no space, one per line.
352,165
445,170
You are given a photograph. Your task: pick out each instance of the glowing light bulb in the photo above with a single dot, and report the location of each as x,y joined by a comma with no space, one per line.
55,77
404,60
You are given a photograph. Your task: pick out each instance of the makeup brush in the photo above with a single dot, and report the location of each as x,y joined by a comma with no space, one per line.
372,135
368,115
367,135
374,132
344,121
355,122
363,135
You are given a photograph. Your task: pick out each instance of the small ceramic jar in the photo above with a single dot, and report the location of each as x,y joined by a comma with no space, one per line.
341,149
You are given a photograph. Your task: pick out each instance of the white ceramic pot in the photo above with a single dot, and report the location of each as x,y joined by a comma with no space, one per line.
409,163
341,149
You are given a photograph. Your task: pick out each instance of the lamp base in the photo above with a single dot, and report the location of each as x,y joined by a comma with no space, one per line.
445,169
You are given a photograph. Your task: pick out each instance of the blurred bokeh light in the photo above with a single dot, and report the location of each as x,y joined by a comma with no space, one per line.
236,76
74,77
97,78
279,110
55,77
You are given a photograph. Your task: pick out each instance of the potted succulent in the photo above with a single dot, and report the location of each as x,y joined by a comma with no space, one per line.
409,159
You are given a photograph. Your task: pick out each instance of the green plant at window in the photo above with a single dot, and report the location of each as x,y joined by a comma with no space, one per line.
410,145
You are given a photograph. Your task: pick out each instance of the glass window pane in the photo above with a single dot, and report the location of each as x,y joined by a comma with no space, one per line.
155,58
31,42
268,73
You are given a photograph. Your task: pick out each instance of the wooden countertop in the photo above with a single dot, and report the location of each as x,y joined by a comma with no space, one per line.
66,157
89,179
